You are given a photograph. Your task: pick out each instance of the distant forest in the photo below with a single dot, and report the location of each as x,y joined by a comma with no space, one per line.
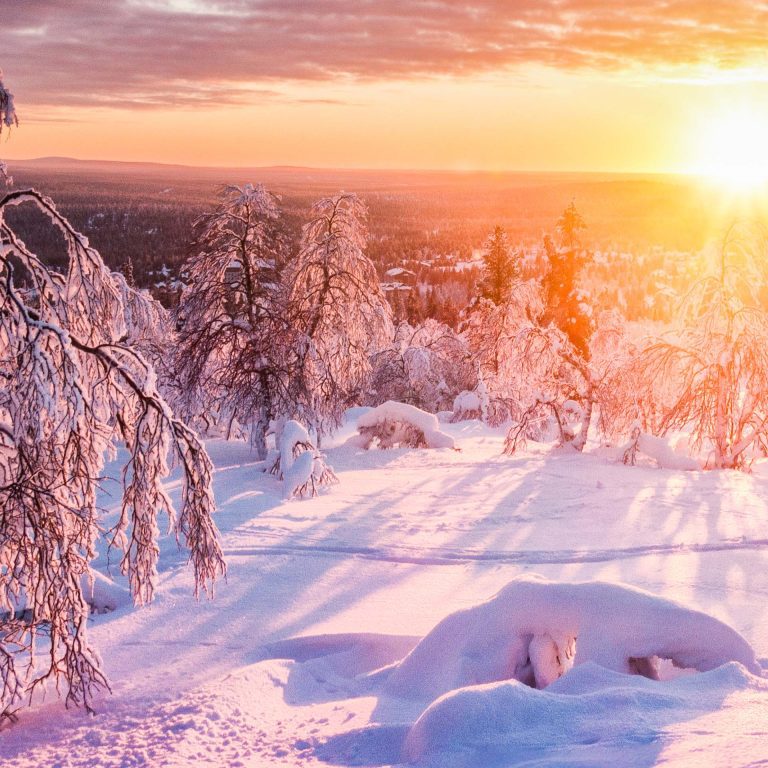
432,224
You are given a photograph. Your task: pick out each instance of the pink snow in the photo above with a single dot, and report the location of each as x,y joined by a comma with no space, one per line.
302,658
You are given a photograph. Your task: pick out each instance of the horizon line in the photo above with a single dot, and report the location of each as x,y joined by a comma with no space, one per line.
358,169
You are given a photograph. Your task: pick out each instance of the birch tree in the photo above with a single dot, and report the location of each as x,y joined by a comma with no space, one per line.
234,329
338,311
72,389
716,363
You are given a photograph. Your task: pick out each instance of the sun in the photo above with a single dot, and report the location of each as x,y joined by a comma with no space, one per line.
733,149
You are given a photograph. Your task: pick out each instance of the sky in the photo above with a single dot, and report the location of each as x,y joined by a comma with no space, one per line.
561,85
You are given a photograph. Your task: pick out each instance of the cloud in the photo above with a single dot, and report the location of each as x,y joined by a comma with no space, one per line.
197,52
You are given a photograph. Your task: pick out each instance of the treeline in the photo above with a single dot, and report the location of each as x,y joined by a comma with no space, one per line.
434,232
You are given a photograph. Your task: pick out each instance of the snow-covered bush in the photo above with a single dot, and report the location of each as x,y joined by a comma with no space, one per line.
535,630
467,405
399,424
425,366
297,462
656,448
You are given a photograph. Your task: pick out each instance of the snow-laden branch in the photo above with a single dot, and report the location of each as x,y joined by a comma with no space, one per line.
73,388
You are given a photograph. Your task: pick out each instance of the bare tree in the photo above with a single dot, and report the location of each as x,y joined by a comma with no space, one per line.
72,387
338,311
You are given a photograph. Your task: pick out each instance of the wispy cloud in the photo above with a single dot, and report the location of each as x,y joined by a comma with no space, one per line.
194,52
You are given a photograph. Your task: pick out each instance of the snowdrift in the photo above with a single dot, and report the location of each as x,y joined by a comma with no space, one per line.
535,630
592,712
394,423
540,673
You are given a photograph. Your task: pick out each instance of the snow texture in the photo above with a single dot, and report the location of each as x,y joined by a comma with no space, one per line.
296,661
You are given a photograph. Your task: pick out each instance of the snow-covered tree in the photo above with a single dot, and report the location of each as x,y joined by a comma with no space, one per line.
297,462
566,305
72,388
553,346
500,268
492,332
716,363
338,311
8,118
426,366
232,319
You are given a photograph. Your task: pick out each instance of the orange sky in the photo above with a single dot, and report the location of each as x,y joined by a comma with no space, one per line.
531,85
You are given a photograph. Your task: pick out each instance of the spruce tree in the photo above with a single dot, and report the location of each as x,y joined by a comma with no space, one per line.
500,268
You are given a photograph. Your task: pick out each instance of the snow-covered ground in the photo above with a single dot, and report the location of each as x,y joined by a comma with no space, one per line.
293,662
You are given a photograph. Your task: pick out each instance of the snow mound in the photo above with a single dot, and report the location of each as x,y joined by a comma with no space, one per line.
656,448
534,630
394,423
605,712
467,405
662,453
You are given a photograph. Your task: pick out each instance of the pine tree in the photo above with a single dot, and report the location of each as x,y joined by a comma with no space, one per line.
130,279
566,307
500,268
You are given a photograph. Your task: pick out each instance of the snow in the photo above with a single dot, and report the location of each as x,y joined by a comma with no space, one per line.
535,630
658,449
466,402
298,473
296,660
400,417
292,433
394,411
